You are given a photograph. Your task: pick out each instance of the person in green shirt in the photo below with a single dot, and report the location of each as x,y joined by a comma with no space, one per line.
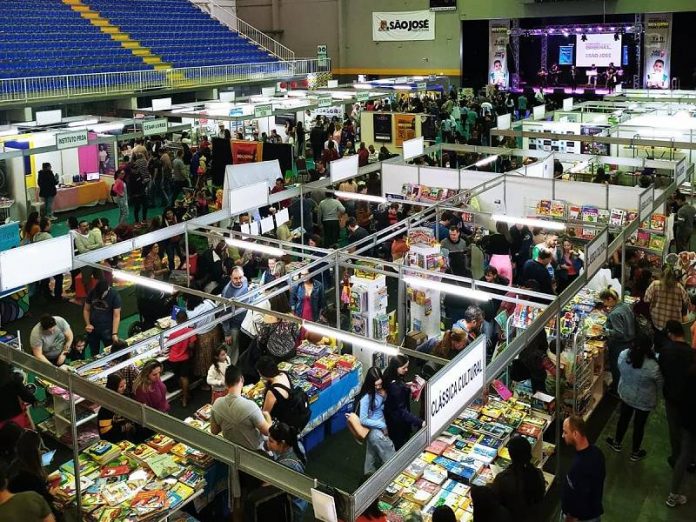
27,506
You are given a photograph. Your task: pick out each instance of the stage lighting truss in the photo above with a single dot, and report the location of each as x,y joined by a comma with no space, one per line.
579,29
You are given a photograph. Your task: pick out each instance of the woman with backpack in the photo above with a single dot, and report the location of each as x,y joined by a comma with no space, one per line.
282,401
640,382
397,406
619,329
369,404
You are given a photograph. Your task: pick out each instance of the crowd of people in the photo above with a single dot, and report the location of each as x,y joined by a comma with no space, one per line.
650,353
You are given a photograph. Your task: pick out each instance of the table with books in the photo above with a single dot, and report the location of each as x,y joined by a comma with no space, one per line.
472,451
58,424
330,381
132,483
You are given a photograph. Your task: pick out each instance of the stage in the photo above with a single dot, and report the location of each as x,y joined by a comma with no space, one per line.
583,90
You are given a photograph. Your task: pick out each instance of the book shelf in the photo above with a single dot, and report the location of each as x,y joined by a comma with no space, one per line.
368,314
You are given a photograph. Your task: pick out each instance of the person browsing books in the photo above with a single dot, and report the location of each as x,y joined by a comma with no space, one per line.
239,419
397,410
369,403
27,506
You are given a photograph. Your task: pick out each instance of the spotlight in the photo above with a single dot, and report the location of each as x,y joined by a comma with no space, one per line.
583,37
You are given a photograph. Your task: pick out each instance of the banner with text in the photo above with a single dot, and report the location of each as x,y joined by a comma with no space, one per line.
498,40
657,50
403,25
245,151
405,128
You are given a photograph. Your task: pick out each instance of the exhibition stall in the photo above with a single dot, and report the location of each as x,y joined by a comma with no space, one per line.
82,152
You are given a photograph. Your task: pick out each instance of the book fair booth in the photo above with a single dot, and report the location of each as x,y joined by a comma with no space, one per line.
83,152
471,404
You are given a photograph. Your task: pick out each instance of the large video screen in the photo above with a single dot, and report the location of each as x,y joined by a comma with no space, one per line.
598,49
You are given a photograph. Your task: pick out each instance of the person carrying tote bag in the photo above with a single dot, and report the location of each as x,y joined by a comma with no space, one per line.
370,407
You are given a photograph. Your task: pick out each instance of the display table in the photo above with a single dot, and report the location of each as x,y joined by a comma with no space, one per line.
86,195
472,451
162,478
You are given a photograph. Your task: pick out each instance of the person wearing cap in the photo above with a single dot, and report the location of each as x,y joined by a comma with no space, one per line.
221,129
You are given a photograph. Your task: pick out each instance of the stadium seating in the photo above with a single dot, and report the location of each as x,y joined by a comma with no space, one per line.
49,38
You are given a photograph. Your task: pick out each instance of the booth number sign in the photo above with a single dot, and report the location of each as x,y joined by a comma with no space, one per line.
71,140
263,111
151,127
324,101
362,96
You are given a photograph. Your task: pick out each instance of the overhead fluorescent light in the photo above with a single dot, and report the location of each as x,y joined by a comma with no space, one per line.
353,339
82,123
486,161
143,281
403,87
447,288
255,247
361,197
540,223
366,86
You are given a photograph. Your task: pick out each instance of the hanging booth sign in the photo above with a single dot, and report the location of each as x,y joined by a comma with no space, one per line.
596,253
362,96
263,111
657,50
245,151
421,86
403,26
382,127
324,100
498,41
152,127
70,140
405,128
645,204
453,388
680,173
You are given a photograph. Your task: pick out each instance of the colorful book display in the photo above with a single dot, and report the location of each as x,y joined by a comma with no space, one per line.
126,488
464,455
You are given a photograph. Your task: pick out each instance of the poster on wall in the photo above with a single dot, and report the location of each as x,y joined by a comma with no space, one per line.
405,128
657,50
498,40
245,151
382,127
403,26
588,147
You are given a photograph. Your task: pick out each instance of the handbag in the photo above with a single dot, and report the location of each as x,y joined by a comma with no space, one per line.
358,431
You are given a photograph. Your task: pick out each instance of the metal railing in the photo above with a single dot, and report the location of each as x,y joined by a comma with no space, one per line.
229,17
125,82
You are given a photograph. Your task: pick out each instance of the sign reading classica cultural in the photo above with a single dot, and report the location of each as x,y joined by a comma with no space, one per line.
403,25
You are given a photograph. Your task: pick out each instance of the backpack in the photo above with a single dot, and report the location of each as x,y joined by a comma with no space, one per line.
294,410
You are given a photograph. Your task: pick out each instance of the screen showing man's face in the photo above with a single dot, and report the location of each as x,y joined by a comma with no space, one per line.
497,66
658,67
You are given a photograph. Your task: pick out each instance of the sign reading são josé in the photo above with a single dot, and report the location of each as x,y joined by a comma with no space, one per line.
403,25
451,390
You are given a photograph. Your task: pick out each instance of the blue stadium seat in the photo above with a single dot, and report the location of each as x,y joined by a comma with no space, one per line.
175,30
